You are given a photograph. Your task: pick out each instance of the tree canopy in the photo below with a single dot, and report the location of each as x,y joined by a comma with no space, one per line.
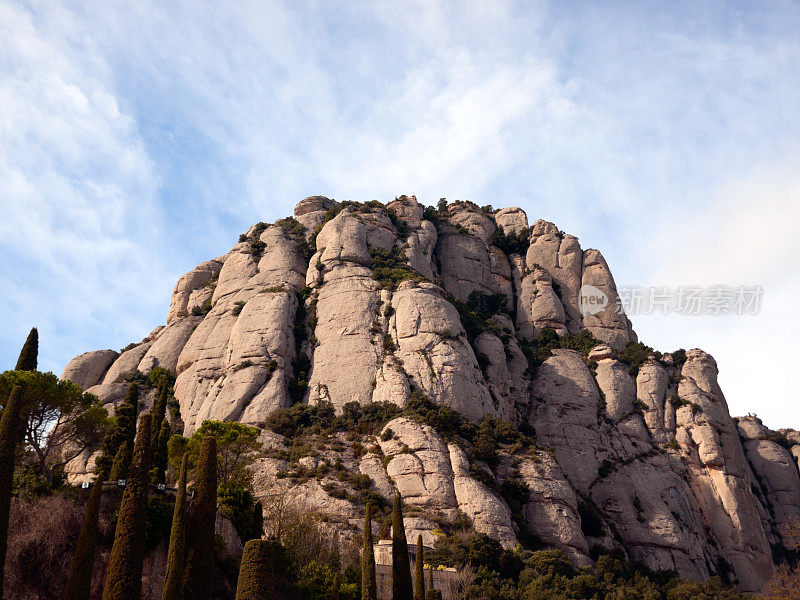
236,444
61,420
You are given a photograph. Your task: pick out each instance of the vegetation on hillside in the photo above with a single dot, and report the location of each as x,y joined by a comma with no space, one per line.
58,543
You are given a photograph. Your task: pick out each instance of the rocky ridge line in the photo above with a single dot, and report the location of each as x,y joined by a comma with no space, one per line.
364,303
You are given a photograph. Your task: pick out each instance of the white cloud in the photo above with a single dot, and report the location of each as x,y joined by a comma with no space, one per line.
137,138
747,235
78,189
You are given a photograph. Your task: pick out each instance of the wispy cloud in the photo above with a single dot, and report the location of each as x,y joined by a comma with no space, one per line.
78,195
138,138
745,235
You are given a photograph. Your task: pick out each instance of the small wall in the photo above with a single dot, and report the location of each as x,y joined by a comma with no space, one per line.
441,579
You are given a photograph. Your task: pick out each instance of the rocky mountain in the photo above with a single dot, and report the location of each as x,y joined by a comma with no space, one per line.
477,311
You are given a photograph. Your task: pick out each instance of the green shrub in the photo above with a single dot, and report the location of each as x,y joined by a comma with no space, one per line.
389,267
515,492
237,503
634,355
779,438
512,243
203,310
301,418
367,418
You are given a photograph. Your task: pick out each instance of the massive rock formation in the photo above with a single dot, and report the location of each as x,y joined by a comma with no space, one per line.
365,303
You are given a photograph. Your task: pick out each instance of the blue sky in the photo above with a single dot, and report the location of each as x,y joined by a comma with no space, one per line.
138,139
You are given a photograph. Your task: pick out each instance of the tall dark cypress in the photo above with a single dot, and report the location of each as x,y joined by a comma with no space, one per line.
369,585
124,571
198,576
28,357
159,412
125,433
177,540
419,573
432,593
121,464
79,582
261,573
126,414
258,521
161,454
105,461
401,567
9,437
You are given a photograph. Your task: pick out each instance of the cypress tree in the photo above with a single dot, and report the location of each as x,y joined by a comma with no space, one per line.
260,574
121,464
177,540
432,593
124,570
29,355
401,567
125,433
419,574
258,521
198,576
126,414
161,454
79,582
9,436
105,461
159,412
369,585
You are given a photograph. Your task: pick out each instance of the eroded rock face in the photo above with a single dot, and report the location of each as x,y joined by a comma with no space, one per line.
127,363
776,474
551,510
407,208
433,349
539,306
433,475
468,216
88,369
187,285
512,220
617,387
465,265
651,389
167,347
719,471
564,416
647,462
237,361
561,256
610,325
